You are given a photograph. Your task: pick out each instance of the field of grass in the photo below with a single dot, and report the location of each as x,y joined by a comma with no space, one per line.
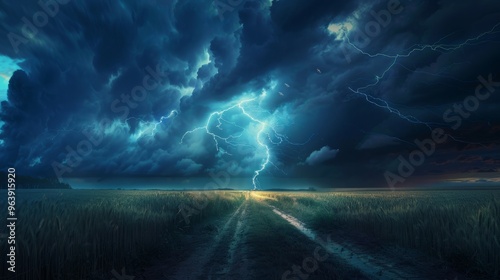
85,234
277,247
460,227
72,234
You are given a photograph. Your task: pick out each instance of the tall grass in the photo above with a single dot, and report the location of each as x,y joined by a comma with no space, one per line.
461,227
86,237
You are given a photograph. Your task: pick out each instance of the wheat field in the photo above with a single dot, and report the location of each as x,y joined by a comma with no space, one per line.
460,227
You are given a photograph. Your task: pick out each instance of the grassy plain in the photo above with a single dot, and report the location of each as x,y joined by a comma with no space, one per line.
460,227
85,234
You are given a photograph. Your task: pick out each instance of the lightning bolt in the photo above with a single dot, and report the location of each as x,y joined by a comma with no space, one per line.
263,126
153,126
220,120
265,136
171,115
437,46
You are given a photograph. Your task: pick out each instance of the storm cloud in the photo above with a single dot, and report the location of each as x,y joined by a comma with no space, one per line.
321,155
111,87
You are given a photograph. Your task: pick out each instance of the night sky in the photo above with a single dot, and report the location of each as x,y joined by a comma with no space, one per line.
351,93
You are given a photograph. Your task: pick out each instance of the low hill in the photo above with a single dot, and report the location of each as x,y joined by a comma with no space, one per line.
28,182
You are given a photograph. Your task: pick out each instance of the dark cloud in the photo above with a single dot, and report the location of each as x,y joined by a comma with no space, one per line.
375,141
110,87
319,156
188,166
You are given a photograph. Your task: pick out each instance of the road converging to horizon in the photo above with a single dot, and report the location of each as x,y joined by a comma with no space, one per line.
223,251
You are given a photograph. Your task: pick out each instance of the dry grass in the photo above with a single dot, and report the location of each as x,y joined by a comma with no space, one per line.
85,235
461,227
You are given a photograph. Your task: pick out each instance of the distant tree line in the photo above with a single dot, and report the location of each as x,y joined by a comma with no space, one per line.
28,182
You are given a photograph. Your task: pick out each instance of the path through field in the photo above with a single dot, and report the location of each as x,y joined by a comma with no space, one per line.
223,257
224,254
373,266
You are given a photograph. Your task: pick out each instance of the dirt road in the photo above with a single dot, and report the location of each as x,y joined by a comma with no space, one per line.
224,257
221,257
223,253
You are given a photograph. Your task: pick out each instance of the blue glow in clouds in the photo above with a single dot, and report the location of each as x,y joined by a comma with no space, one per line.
7,68
249,109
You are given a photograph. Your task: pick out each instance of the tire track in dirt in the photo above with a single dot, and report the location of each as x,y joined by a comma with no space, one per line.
225,256
370,265
229,259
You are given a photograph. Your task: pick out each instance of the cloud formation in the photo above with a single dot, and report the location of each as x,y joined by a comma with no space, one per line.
110,87
324,154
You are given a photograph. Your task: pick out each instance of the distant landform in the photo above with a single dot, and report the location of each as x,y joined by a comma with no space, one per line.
28,182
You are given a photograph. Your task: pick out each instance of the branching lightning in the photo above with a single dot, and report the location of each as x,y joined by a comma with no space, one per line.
437,47
265,128
171,115
153,126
